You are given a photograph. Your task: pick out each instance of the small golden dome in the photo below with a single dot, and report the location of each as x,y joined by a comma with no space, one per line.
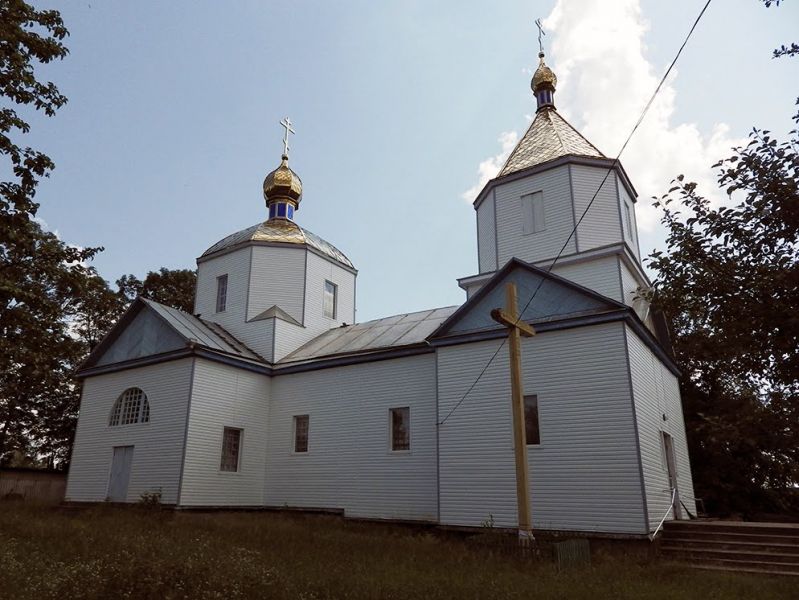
283,184
543,76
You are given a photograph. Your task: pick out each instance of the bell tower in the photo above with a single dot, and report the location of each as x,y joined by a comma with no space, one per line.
558,200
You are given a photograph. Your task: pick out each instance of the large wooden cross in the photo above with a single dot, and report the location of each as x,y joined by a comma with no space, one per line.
510,318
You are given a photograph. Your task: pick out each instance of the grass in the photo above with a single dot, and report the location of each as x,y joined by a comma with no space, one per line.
129,553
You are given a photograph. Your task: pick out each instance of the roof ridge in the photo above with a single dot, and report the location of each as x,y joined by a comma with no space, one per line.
575,130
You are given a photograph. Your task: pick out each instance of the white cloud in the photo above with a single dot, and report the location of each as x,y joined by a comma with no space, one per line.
491,166
598,52
605,79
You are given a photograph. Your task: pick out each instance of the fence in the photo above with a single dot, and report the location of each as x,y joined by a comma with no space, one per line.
38,485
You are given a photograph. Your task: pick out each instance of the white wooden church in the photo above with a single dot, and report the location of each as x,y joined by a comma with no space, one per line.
270,395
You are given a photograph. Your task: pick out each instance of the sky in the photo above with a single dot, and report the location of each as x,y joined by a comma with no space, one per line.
402,111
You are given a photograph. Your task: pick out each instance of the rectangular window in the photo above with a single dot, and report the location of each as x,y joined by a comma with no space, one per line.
221,293
400,429
301,433
231,448
533,219
531,420
330,299
628,219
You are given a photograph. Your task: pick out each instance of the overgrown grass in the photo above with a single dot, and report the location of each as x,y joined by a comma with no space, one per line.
117,553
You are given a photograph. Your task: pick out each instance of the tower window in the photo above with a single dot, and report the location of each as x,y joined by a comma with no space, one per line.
329,300
221,293
533,219
531,420
628,219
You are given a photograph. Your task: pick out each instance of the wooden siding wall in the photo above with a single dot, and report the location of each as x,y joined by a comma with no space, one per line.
598,274
584,476
558,213
289,337
223,396
657,392
602,224
487,236
349,464
158,445
236,265
277,278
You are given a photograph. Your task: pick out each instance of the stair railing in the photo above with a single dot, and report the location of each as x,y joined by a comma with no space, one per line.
663,520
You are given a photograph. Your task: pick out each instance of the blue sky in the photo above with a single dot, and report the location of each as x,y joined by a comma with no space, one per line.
172,120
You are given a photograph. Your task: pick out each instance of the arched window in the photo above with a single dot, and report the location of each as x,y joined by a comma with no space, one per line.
131,407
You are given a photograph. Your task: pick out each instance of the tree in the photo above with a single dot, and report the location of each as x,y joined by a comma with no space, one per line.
729,286
173,287
41,278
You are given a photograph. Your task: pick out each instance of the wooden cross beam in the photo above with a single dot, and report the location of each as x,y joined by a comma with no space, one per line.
510,318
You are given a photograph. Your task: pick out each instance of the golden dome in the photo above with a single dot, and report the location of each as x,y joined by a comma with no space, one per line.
543,76
283,184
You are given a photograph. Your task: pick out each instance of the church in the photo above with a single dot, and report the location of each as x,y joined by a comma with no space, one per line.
271,395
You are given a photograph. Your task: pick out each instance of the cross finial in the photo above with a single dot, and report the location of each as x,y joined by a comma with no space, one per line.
286,123
541,33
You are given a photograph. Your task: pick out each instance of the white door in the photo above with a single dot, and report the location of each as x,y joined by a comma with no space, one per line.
671,465
120,474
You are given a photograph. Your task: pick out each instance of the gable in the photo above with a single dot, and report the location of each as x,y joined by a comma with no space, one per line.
145,335
555,299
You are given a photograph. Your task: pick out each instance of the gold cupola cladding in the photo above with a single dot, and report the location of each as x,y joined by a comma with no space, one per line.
283,184
543,84
543,75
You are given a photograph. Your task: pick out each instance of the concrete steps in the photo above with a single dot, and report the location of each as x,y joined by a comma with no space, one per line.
771,548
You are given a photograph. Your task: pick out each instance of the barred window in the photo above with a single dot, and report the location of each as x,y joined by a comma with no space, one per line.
301,433
400,428
131,407
231,448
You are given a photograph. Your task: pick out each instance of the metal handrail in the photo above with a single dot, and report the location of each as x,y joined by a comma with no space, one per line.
663,520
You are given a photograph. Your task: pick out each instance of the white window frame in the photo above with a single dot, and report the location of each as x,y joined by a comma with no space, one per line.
239,447
391,412
294,420
533,213
131,407
334,294
538,419
221,293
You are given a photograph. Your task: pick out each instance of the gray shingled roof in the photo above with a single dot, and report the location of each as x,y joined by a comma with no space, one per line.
549,137
380,334
205,333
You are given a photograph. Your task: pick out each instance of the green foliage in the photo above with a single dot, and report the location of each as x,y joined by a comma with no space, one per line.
173,287
729,286
117,553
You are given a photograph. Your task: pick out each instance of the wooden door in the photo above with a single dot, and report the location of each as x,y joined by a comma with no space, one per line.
120,474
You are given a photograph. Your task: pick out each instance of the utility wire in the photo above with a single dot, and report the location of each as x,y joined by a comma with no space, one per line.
582,216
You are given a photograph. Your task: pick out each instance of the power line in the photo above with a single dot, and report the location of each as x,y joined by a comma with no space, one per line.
582,216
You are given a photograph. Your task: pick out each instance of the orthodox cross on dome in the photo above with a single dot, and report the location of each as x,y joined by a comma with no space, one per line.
541,33
286,123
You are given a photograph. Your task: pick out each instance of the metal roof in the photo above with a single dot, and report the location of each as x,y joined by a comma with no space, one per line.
279,231
549,137
205,333
388,332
